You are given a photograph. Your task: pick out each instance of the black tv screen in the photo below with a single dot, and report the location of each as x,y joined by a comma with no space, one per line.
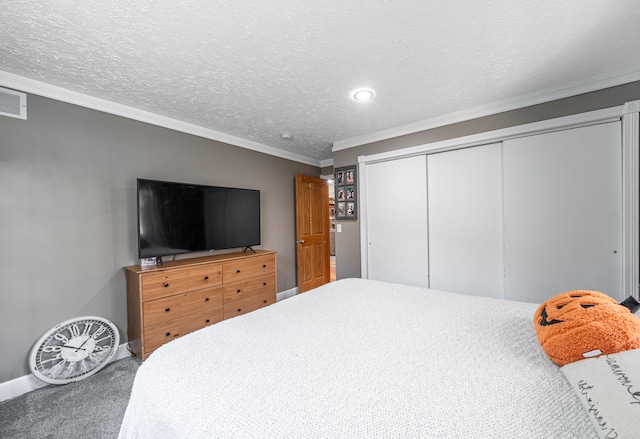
176,218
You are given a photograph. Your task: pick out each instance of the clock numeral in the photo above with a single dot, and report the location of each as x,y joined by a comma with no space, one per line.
52,348
74,330
104,338
98,332
54,358
61,337
60,365
87,328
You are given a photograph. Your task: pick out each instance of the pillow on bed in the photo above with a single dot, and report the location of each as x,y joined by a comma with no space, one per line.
609,389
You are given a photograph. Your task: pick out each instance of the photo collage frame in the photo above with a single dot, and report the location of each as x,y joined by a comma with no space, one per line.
346,198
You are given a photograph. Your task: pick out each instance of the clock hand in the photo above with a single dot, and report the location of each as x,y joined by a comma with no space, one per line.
74,347
80,347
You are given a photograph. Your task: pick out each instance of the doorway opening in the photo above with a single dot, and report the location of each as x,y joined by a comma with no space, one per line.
332,226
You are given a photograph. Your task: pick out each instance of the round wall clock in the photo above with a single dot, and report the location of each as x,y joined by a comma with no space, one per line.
74,349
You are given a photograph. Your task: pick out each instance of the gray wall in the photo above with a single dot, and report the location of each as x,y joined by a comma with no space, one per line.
348,242
68,212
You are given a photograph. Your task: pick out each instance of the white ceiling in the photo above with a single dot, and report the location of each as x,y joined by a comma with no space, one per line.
253,69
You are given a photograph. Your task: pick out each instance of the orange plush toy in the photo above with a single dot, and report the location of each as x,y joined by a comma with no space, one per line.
581,324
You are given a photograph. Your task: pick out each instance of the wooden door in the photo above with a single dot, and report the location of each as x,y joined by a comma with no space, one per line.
397,226
312,232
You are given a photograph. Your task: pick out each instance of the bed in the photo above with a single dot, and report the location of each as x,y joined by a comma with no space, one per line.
359,359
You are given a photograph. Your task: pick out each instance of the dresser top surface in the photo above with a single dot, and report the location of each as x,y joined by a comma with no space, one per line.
222,258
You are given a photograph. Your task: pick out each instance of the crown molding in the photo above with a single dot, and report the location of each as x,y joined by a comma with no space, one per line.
587,85
27,85
326,162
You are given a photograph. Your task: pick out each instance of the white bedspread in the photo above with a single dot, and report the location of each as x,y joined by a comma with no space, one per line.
359,359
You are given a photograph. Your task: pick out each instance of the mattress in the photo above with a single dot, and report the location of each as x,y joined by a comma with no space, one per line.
359,359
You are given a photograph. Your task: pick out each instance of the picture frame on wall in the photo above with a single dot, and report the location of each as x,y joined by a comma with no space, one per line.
346,185
350,193
350,175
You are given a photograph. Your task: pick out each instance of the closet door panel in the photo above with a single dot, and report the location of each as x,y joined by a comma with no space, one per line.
465,221
563,213
396,200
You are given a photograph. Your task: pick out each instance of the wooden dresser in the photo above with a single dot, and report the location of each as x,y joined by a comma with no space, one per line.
170,300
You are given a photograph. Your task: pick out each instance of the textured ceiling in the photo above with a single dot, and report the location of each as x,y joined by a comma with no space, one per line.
255,69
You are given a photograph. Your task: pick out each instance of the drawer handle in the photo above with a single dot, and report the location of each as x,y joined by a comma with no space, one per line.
206,299
168,334
239,309
238,291
265,284
206,278
265,301
167,310
165,285
237,271
264,266
207,321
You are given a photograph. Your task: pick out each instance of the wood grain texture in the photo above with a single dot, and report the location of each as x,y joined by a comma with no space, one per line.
169,301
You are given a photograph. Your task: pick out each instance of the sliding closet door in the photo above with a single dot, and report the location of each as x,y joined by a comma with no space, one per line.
465,221
563,213
396,200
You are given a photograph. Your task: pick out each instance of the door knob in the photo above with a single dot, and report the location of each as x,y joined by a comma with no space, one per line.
301,241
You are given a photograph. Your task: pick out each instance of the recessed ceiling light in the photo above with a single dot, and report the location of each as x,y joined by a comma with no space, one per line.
286,136
363,95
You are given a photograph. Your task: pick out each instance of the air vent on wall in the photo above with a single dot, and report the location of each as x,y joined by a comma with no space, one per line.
13,103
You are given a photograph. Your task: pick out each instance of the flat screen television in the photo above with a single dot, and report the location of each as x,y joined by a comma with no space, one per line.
176,218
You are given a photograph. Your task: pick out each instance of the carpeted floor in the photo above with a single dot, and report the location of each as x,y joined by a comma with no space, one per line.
91,408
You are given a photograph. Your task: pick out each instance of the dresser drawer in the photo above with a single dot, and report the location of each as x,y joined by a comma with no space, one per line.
170,282
249,304
178,305
156,336
242,289
244,269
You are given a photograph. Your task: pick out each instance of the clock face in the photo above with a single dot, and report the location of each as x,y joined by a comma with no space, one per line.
74,349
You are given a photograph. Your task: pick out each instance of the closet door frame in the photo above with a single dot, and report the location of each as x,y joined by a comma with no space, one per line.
628,114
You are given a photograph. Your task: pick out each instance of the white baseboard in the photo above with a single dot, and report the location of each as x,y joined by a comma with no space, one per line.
16,387
19,386
286,294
